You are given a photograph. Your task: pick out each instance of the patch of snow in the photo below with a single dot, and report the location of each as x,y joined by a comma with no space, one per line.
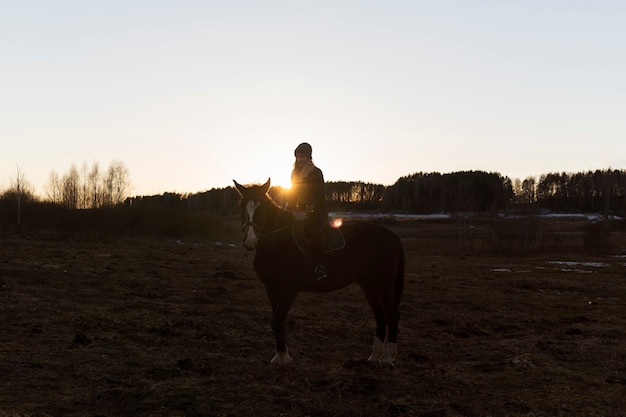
575,263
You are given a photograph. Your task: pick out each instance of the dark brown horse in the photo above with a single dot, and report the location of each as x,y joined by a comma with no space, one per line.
373,257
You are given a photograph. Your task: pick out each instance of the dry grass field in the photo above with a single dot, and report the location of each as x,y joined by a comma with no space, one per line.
158,327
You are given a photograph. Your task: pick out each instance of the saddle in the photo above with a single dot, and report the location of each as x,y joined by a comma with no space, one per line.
332,238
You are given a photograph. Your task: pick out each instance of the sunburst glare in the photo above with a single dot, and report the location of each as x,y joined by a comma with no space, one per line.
336,223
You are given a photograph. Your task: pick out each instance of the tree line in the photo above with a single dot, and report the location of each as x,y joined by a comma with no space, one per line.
93,188
340,196
469,192
595,191
479,191
89,187
457,192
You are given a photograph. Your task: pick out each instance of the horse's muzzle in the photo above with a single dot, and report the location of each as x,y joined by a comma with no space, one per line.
250,235
249,247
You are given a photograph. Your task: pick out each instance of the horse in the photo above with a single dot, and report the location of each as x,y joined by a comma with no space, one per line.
373,258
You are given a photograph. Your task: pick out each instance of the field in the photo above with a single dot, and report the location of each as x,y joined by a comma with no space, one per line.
164,327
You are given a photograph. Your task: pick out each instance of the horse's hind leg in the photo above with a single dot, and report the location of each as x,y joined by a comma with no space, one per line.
387,316
378,349
391,347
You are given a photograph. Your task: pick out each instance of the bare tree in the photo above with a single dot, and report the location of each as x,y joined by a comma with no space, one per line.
89,188
21,192
528,191
84,200
54,188
517,189
94,190
19,183
116,183
71,188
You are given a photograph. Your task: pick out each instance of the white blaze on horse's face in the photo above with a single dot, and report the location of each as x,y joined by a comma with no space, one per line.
250,238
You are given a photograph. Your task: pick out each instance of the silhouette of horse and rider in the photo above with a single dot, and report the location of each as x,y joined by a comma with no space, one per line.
296,250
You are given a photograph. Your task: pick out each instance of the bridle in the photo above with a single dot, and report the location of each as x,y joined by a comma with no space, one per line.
247,225
250,223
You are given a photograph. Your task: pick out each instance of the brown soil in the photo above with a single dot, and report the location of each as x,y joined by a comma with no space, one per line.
181,328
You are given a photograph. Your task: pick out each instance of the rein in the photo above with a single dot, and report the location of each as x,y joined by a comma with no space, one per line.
259,230
277,230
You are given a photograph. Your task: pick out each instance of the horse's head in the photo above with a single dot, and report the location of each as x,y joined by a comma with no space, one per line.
254,203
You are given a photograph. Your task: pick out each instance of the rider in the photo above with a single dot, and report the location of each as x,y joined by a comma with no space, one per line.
307,202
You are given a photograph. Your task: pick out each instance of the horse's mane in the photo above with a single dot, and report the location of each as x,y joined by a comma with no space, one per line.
272,201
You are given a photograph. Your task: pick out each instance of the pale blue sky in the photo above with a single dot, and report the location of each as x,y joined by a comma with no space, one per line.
191,94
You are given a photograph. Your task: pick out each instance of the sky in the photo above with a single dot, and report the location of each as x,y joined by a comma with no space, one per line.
190,95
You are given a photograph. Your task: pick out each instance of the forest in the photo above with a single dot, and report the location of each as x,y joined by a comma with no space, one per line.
97,199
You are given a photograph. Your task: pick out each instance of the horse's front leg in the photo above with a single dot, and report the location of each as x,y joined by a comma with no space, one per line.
281,301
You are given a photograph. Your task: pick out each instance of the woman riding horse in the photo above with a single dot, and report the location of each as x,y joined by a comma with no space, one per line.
307,202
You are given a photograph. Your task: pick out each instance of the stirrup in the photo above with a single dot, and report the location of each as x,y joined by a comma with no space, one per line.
320,272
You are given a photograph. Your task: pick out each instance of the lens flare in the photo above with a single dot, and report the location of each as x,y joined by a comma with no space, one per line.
336,223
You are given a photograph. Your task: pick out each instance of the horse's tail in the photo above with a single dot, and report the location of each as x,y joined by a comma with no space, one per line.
399,283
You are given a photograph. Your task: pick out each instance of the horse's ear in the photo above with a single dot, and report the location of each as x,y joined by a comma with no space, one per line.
240,188
266,186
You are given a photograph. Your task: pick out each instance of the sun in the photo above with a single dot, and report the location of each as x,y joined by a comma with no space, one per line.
282,180
280,173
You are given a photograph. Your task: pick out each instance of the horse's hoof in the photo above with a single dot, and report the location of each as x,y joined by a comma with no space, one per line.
391,352
373,360
281,359
378,350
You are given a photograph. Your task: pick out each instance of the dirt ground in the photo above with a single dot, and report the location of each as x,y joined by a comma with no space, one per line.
159,327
